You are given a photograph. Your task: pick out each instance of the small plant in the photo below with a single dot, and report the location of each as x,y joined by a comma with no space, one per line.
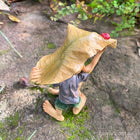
97,9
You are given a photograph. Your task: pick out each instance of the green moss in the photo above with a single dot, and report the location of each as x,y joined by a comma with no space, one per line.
51,45
3,52
10,129
76,124
43,46
115,106
38,103
108,137
12,121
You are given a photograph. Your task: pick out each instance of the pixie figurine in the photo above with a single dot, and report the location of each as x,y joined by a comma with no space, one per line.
65,68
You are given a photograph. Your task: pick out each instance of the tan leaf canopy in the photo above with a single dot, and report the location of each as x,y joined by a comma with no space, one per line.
70,58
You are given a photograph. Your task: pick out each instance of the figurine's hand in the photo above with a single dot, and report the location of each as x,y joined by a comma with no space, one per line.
50,89
53,91
35,75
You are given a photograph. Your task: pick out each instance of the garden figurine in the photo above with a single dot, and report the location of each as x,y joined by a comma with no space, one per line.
65,68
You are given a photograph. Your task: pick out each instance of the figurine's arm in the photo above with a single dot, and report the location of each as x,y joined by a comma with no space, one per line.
89,68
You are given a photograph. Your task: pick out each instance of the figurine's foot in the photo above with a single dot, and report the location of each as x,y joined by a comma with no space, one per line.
48,108
83,101
53,91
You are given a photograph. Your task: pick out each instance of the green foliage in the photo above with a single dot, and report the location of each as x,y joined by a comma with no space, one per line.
127,10
76,124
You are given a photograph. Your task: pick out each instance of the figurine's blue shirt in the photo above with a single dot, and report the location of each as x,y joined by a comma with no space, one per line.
68,89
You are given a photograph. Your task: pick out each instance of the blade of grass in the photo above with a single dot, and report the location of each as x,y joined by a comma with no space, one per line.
32,135
2,88
10,43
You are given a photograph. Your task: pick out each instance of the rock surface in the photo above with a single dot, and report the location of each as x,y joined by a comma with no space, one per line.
112,90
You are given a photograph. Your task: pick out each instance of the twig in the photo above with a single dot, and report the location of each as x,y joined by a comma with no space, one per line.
32,135
10,43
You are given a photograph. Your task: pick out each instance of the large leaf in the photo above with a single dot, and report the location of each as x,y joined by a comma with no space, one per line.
70,58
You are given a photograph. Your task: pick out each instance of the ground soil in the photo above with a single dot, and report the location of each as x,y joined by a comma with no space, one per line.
112,90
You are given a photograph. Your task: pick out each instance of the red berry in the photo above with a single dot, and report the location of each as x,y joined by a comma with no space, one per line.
105,35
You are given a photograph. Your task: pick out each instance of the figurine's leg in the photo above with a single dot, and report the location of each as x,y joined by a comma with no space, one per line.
53,91
81,105
48,108
79,88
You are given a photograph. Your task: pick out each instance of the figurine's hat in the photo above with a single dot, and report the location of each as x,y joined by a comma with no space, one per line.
70,58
